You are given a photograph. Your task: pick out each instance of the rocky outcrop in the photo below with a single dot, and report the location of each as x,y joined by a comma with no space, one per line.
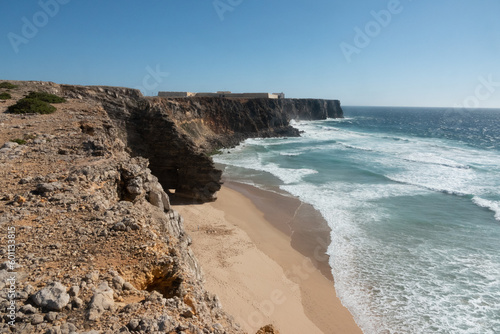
218,122
150,131
85,196
177,135
97,245
269,329
312,109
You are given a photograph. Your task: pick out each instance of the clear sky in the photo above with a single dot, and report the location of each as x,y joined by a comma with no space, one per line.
363,52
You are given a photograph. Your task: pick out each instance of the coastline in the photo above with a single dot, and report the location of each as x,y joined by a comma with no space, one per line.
263,255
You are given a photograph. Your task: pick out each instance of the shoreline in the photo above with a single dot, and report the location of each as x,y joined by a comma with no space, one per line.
263,255
301,222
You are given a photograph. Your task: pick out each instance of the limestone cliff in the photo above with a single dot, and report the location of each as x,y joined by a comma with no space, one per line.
97,247
312,109
177,135
86,189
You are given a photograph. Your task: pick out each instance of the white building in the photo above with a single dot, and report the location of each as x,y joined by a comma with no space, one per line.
224,94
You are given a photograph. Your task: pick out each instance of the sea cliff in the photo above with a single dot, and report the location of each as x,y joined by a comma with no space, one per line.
87,191
178,134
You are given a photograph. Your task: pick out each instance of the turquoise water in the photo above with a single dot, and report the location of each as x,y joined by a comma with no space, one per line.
413,199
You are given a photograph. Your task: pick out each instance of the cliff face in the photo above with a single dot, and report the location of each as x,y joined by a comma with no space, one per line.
207,124
86,191
312,109
217,122
177,135
97,245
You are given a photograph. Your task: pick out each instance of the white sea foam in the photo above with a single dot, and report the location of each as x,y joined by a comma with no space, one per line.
419,162
457,182
491,205
397,269
433,159
287,175
252,161
356,147
290,154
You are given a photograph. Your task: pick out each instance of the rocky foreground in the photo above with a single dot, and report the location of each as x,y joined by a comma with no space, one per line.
89,242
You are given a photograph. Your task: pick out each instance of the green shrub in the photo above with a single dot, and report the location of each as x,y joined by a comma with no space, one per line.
31,106
214,152
45,97
36,103
7,85
5,96
19,141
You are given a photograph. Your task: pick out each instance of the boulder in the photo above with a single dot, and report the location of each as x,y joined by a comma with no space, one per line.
101,301
48,187
118,282
269,329
53,297
160,199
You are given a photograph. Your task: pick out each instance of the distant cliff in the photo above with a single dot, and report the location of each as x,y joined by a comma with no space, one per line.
218,122
312,109
178,134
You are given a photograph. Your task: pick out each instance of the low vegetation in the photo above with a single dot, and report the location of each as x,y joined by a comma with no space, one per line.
214,152
5,96
45,97
7,85
36,103
19,141
31,106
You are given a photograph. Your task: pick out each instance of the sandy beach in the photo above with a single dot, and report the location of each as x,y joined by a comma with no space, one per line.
263,254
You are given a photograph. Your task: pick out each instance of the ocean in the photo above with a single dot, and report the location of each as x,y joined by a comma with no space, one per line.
412,196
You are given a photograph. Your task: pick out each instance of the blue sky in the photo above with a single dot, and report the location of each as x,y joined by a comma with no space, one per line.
364,52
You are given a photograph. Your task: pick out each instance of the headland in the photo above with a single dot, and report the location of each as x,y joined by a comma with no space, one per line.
88,188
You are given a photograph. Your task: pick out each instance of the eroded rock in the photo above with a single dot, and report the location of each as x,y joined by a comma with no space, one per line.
101,301
53,297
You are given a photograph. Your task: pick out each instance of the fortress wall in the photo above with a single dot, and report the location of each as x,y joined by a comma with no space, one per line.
174,94
220,94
